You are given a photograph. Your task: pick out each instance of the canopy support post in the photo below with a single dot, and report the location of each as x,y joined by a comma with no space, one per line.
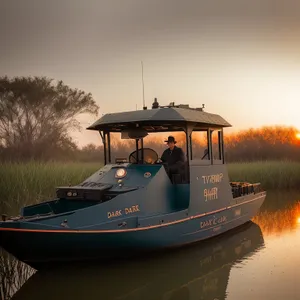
103,137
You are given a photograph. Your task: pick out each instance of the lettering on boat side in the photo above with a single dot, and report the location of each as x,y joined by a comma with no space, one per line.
217,178
237,212
116,213
125,211
212,193
215,229
132,209
214,221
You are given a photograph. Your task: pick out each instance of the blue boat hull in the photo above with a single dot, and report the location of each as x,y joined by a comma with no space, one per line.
38,247
200,271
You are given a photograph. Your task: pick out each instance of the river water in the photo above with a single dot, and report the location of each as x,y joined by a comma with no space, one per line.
257,261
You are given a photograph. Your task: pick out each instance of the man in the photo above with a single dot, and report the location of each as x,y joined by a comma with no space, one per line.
173,157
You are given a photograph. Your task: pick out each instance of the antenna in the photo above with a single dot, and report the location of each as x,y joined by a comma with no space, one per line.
144,107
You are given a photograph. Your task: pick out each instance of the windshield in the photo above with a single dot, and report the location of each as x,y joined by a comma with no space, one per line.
153,144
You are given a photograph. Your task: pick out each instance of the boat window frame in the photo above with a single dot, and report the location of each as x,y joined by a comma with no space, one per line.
210,160
188,129
220,147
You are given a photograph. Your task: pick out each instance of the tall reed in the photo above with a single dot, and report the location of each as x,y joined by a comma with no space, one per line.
29,183
271,174
33,182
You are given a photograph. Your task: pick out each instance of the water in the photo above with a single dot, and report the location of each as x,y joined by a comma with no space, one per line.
258,261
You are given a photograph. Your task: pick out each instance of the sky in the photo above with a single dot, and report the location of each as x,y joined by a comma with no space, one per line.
240,58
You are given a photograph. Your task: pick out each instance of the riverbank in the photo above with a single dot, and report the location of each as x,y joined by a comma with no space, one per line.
28,183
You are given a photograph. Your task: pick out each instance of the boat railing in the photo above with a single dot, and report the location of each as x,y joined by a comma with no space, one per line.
31,217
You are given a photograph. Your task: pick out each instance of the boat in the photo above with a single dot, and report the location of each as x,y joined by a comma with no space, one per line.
132,206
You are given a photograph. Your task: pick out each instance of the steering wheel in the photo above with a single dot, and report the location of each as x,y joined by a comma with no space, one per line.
150,156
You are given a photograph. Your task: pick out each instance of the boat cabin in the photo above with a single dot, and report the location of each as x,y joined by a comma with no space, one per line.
137,125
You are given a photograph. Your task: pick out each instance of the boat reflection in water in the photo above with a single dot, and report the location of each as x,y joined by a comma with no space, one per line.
200,271
13,274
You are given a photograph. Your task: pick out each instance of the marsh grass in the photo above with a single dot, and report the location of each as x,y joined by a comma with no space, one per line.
30,183
33,182
272,175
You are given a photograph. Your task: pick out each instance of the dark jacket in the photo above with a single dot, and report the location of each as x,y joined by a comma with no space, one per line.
173,157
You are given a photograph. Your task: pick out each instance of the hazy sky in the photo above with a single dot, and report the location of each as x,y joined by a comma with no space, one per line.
241,58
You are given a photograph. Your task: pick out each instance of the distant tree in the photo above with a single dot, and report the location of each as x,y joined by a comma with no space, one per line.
265,143
91,153
36,115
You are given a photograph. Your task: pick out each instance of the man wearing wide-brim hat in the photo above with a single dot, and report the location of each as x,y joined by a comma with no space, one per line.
173,157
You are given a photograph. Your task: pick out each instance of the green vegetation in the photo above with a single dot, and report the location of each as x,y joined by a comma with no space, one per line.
28,183
37,115
271,174
33,182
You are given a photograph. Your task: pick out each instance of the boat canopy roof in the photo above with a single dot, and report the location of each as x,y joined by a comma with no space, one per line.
169,118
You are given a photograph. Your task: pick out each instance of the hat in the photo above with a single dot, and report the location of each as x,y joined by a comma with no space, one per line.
171,139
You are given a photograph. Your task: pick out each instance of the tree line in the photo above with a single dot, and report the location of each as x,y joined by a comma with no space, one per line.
260,144
37,114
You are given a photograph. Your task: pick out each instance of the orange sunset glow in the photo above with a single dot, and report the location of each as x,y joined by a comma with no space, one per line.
278,221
